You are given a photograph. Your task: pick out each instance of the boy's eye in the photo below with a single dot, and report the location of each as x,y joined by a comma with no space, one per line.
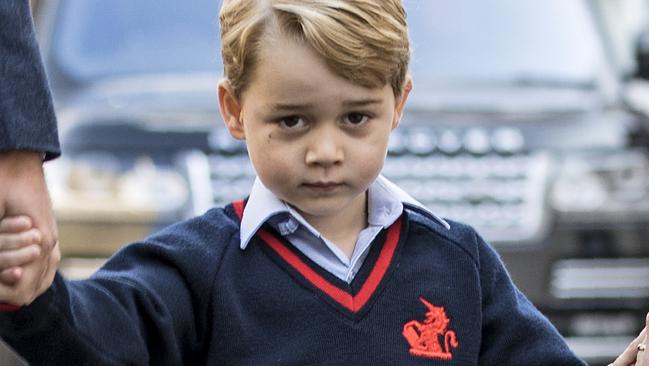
356,118
292,122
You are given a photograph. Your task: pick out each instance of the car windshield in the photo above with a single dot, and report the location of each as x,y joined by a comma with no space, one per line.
503,41
97,38
459,42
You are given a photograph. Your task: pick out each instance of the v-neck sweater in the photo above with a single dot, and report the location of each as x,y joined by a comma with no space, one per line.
188,295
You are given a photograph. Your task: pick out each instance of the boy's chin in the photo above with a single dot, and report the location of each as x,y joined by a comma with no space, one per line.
326,207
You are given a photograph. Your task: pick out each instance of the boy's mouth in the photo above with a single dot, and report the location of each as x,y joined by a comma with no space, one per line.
322,186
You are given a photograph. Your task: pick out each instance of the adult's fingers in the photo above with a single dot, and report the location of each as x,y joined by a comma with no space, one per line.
20,240
15,224
628,357
642,358
11,276
19,257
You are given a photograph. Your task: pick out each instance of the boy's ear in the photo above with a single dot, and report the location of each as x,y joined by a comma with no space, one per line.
400,101
230,110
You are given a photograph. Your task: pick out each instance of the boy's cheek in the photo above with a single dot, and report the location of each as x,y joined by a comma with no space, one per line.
275,174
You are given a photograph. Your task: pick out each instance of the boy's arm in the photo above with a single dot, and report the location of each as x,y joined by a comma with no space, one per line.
514,332
148,305
42,334
116,317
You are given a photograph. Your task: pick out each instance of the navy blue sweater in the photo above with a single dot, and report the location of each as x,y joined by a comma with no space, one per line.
189,295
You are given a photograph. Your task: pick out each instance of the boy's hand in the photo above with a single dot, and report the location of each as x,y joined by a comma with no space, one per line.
26,269
636,353
19,245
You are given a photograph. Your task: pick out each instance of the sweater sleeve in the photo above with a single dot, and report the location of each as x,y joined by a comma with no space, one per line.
27,119
514,332
149,305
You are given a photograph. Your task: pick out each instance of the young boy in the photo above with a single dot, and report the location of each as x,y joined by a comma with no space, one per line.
326,262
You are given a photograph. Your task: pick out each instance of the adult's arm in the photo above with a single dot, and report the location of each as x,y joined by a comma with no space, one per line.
28,130
27,120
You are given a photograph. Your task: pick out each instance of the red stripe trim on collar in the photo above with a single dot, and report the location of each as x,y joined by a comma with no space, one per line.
342,297
381,266
238,208
352,303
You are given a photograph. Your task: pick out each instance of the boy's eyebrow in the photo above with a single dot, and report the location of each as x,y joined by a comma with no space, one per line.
362,102
303,106
290,107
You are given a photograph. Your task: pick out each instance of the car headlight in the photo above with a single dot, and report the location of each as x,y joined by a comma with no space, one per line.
603,185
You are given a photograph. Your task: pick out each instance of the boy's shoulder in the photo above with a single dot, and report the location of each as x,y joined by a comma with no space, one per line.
448,232
214,230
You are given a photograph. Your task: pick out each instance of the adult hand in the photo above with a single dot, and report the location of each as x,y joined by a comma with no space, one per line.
23,192
636,353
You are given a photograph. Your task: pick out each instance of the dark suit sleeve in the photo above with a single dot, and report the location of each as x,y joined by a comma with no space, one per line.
27,120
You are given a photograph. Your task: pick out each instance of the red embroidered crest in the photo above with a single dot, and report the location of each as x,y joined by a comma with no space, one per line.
425,338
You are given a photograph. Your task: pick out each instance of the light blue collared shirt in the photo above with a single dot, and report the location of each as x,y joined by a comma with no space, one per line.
385,205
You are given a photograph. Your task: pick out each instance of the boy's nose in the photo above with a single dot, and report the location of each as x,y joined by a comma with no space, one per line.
325,151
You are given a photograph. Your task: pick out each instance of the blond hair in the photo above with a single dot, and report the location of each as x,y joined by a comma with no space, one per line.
363,41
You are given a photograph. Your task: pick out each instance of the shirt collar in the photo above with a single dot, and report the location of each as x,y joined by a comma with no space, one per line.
399,195
262,205
385,205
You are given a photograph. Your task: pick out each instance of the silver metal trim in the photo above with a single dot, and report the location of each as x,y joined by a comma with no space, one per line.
598,348
600,278
198,176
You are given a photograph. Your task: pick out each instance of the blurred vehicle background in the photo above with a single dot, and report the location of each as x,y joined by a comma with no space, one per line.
528,121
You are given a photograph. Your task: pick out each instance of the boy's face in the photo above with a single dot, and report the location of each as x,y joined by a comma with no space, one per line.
315,140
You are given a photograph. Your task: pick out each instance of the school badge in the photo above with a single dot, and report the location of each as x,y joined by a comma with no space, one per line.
426,339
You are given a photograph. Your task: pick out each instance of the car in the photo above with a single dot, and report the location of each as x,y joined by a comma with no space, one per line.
518,125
